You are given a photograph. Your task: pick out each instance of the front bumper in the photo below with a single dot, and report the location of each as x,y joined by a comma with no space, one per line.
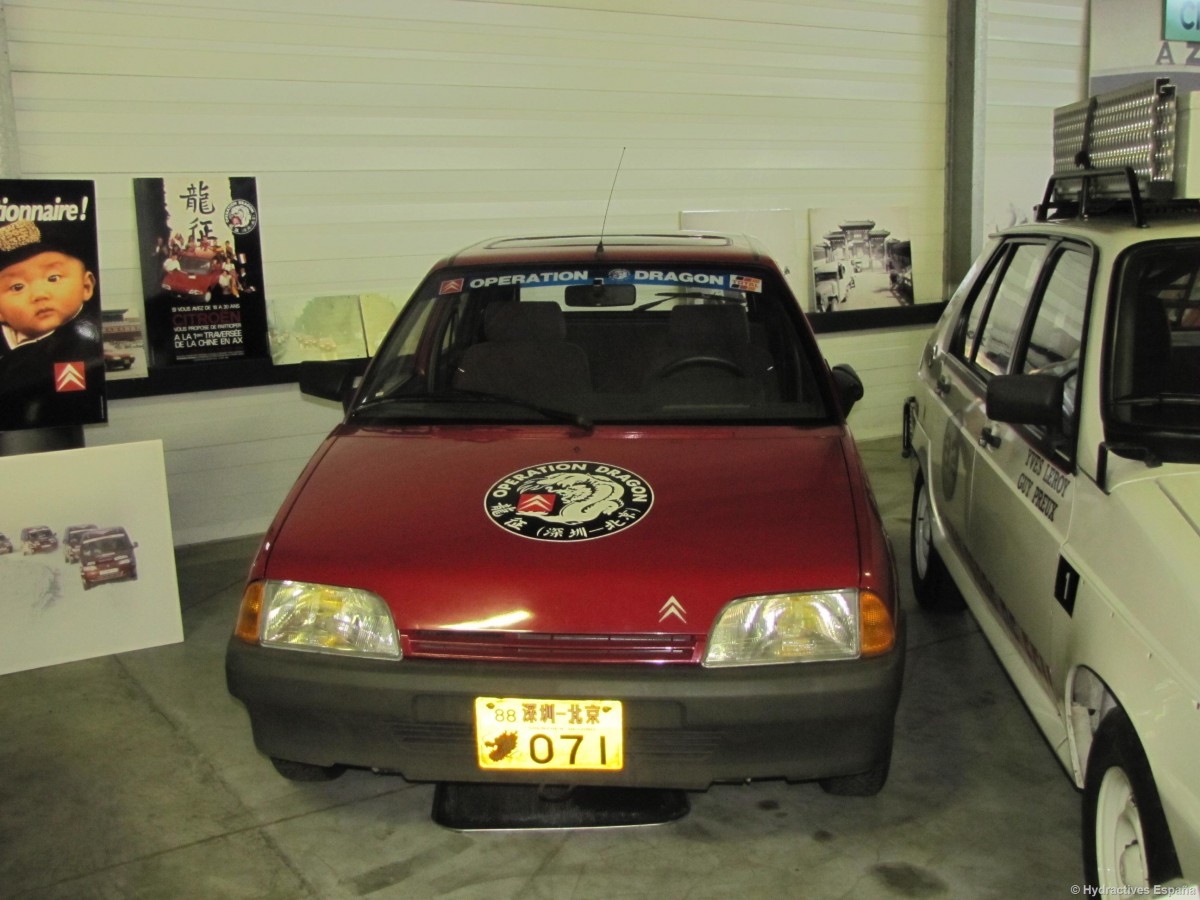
685,726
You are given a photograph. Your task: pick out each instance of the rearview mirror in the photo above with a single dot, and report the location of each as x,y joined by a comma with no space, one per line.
596,295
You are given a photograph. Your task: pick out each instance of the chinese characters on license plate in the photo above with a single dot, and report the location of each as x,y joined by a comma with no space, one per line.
529,734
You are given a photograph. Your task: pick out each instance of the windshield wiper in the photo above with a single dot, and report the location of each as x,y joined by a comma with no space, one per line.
452,394
686,295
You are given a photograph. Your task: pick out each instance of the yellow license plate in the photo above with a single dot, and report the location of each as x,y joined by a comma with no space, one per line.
520,733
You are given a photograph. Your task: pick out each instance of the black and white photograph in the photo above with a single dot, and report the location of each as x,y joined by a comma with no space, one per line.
861,259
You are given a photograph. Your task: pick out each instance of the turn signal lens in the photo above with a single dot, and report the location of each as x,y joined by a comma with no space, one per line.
251,608
878,629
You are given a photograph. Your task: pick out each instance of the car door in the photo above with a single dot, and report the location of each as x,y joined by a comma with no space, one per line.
1021,495
959,389
954,395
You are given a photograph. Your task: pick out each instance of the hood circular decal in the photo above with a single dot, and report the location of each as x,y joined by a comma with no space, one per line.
568,501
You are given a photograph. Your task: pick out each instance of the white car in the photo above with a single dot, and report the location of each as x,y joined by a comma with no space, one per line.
1055,436
827,283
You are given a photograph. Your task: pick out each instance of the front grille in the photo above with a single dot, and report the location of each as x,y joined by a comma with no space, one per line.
582,648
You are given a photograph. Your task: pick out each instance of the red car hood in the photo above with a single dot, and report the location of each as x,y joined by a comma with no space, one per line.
423,518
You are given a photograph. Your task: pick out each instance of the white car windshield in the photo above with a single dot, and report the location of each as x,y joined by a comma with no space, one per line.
1154,375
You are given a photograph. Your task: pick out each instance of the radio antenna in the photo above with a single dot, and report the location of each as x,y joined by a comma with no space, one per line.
607,206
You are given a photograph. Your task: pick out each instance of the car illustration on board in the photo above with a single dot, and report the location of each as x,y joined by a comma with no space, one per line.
107,554
1055,438
38,539
72,535
593,517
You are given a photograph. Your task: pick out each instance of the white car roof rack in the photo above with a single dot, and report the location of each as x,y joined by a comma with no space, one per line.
1124,152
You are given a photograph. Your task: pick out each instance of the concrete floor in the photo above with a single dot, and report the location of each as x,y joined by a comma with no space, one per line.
135,776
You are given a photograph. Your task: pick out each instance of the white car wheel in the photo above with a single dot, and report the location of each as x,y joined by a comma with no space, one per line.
922,525
1120,860
932,585
1126,841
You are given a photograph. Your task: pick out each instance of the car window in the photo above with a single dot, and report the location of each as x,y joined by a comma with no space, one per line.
617,344
1007,310
970,332
1154,371
1057,333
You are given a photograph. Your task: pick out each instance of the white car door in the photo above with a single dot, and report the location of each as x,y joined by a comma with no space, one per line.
958,395
1024,475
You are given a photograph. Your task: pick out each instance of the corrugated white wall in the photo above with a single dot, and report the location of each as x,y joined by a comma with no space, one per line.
1035,60
384,133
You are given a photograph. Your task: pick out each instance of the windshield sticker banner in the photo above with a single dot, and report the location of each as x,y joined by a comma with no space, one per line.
201,262
724,280
51,348
568,501
671,277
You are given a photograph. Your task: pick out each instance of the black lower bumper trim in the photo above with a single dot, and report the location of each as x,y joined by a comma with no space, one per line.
480,807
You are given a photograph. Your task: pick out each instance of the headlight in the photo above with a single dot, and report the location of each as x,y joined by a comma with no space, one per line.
319,617
787,628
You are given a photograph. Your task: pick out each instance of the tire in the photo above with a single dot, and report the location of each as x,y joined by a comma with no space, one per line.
864,784
1126,841
298,771
934,588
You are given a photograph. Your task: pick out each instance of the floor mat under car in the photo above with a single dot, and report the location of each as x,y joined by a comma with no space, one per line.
480,807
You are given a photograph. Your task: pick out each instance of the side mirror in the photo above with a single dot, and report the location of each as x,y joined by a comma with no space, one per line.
331,380
848,386
1026,400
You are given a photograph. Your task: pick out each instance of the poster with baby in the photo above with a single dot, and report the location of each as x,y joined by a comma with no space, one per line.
201,264
51,350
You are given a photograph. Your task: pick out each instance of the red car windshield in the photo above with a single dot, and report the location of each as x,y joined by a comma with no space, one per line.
644,344
195,265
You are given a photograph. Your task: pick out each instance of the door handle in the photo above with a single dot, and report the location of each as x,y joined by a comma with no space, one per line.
942,386
989,438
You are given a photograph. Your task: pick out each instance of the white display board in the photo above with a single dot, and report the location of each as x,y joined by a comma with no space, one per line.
50,613
776,228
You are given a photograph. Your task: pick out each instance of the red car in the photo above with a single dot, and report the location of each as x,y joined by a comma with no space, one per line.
196,274
593,517
38,539
107,554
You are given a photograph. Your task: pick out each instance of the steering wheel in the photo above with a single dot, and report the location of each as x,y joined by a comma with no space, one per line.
716,362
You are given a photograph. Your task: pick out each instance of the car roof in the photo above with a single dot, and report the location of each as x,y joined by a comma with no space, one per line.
98,533
1114,230
687,247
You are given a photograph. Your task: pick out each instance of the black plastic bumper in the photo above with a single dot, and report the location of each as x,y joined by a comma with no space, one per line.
685,726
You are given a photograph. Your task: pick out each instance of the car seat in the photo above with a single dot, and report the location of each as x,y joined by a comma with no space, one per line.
525,355
708,358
